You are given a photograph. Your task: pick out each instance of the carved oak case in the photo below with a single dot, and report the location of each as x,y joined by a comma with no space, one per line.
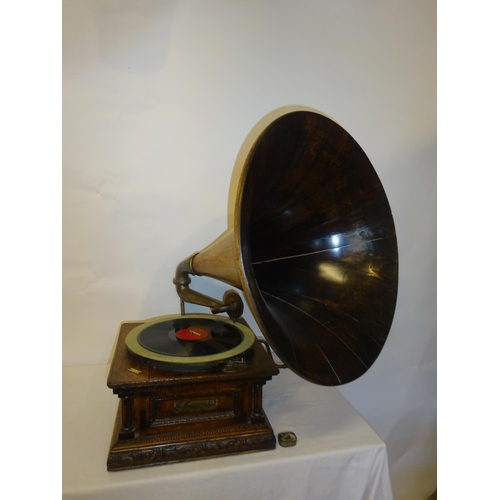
167,416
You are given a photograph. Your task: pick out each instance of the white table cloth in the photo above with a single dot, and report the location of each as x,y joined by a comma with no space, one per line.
337,456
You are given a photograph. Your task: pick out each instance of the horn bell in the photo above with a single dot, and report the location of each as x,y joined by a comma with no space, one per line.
317,248
313,248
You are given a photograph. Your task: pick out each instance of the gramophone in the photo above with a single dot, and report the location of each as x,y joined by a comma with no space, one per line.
314,250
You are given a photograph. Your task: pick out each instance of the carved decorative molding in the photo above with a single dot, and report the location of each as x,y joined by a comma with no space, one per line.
195,406
127,459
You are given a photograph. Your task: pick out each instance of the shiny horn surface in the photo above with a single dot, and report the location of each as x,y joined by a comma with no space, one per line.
317,248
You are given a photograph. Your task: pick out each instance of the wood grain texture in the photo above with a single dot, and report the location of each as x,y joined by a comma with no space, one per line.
318,248
167,416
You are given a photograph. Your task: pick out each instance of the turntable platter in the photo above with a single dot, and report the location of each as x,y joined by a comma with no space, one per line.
189,341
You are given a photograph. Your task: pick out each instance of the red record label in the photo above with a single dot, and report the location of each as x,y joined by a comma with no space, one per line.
193,334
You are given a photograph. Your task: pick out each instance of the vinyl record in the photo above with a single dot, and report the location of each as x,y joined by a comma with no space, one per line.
192,341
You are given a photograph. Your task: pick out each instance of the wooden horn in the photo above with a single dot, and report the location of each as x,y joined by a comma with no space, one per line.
313,248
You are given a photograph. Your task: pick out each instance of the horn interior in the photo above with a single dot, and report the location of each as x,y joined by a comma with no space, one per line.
318,248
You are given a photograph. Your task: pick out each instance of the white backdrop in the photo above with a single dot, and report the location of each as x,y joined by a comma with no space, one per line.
161,100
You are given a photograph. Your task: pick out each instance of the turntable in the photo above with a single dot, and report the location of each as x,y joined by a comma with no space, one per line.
314,251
